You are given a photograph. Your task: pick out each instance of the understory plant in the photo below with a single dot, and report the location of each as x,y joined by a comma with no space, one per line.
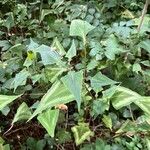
78,70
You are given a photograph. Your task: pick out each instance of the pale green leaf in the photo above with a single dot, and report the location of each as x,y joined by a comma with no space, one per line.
148,143
48,55
100,80
81,133
58,47
48,119
44,13
145,45
52,73
5,100
80,28
144,103
20,78
9,22
72,51
57,94
124,97
112,47
33,45
107,121
73,82
23,113
136,68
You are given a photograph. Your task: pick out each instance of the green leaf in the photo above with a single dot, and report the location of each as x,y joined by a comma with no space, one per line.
107,121
72,51
57,94
80,28
44,13
81,133
73,81
100,80
144,103
136,68
148,143
58,47
48,119
33,45
145,45
9,23
48,55
23,113
20,78
52,73
112,47
124,97
5,100
99,107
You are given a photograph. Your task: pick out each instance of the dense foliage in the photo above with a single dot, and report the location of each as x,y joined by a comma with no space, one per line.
74,75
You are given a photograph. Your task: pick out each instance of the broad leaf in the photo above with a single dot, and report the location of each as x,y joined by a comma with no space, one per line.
112,47
5,100
72,51
81,132
80,28
57,94
20,78
145,45
73,81
48,55
48,119
23,113
124,97
100,80
144,104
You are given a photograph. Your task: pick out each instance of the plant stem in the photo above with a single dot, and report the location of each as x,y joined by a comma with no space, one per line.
143,14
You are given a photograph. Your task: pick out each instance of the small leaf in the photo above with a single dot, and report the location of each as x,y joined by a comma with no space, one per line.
73,81
58,47
80,28
44,13
23,113
136,68
107,121
148,143
48,119
33,45
72,51
20,78
5,100
81,132
57,94
9,23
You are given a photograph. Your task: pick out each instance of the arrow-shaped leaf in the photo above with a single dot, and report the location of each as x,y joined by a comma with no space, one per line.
23,113
48,119
5,100
73,81
57,94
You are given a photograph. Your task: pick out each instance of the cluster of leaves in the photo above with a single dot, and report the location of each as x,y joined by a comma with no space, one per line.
81,68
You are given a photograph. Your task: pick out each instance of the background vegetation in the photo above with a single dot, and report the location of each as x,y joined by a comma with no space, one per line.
74,75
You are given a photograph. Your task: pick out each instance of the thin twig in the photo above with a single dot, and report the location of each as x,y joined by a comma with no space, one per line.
143,14
8,129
